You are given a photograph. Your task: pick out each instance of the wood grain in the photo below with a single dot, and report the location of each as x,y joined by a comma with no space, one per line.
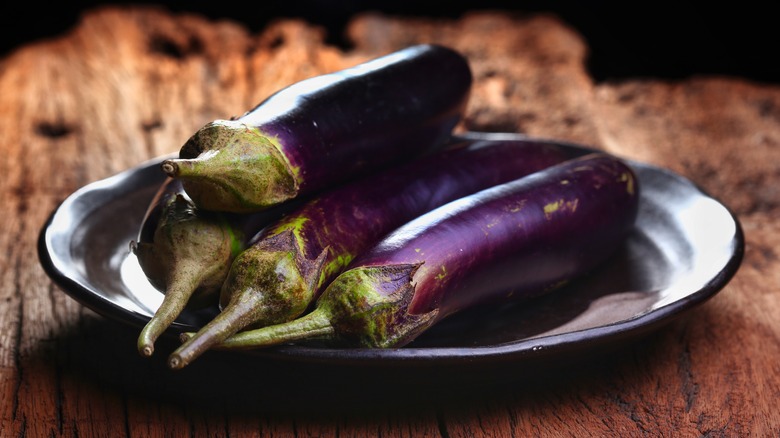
129,84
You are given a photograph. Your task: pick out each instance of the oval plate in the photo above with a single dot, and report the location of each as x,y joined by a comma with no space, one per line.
685,248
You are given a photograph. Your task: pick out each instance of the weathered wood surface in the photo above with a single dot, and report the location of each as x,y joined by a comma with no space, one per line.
127,85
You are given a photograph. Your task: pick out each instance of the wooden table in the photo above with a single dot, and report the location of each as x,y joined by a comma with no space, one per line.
127,85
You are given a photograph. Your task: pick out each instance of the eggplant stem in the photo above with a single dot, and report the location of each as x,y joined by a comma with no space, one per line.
315,324
230,320
181,167
170,167
176,298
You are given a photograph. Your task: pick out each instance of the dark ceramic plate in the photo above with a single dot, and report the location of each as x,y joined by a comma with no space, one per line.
685,248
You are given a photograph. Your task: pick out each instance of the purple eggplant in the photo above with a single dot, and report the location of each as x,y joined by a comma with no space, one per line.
326,130
186,252
282,272
510,242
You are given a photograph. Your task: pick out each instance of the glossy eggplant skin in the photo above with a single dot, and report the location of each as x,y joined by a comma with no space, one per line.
326,130
508,242
546,229
344,221
290,262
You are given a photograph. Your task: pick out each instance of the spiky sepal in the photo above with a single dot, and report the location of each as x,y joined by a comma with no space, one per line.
229,166
268,283
188,258
364,307
368,306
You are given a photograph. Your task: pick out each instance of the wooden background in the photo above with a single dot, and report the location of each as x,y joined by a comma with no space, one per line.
131,83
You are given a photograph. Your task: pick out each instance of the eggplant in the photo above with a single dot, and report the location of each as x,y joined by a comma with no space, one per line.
507,243
186,252
278,277
326,130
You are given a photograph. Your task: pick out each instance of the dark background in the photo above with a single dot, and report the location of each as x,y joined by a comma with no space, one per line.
658,39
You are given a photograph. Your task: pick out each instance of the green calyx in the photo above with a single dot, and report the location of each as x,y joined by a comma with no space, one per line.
368,306
276,271
229,166
188,259
335,261
268,283
365,306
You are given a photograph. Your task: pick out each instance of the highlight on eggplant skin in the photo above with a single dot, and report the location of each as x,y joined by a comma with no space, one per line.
509,242
326,130
291,261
